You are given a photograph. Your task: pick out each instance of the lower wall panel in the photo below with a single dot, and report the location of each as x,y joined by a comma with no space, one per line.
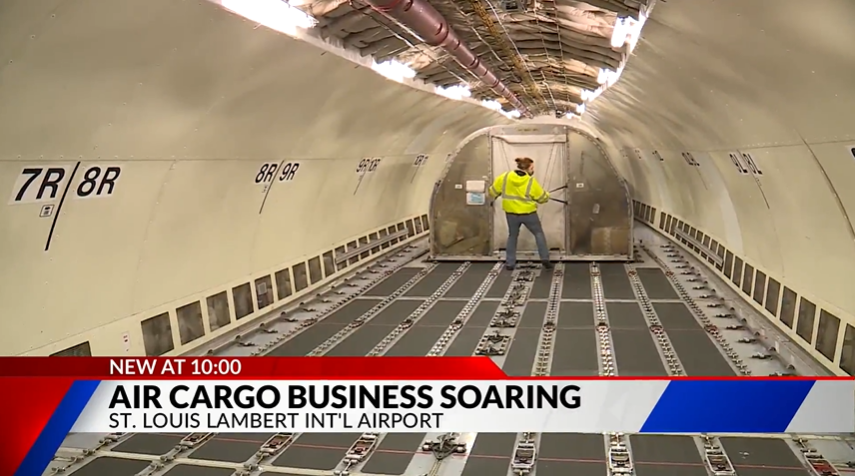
827,336
180,326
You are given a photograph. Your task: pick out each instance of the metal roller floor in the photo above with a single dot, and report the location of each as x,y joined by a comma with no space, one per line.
575,352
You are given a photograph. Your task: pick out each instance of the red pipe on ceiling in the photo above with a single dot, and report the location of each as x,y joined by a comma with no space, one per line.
424,20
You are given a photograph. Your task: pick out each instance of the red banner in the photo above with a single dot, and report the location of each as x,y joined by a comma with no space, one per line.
286,368
254,368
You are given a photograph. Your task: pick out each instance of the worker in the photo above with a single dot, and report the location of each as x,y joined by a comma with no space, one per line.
521,194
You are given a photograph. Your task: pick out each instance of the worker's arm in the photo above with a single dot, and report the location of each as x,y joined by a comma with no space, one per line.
496,189
538,194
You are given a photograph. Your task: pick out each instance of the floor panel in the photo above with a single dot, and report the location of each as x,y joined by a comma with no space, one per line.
430,283
470,281
149,443
576,315
480,466
783,471
230,447
494,444
656,284
309,339
616,283
700,356
577,281
572,446
464,344
351,311
636,354
644,469
491,446
570,468
500,285
625,315
394,313
394,453
316,451
532,316
189,470
483,314
675,316
541,285
112,466
575,353
759,452
228,451
520,359
660,455
665,449
370,334
421,338
441,314
392,283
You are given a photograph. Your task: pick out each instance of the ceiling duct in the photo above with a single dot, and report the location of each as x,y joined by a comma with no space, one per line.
424,20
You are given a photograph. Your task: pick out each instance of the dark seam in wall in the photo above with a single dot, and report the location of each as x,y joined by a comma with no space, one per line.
762,193
833,191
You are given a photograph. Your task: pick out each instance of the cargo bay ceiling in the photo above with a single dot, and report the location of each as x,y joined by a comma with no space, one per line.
553,55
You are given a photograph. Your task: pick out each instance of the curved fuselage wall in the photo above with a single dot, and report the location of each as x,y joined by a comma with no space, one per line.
596,219
172,171
751,153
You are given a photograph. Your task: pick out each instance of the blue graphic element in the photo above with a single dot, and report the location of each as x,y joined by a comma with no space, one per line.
727,406
57,427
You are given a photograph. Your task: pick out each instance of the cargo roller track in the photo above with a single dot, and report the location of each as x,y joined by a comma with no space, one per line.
641,319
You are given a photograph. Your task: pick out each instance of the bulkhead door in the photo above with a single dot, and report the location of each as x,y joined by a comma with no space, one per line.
549,153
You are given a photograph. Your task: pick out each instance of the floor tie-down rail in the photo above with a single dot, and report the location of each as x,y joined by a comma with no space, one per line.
618,456
358,452
270,449
619,460
817,463
525,455
716,458
525,451
444,446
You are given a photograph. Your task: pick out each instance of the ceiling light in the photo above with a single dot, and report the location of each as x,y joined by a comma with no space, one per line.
492,104
580,109
274,14
394,70
588,95
609,77
621,29
454,92
634,30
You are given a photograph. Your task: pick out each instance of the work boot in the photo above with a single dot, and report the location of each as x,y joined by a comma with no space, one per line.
547,265
510,267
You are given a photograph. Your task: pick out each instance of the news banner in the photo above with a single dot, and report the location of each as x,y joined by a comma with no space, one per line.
55,396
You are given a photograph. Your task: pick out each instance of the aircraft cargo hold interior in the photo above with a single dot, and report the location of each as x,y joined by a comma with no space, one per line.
271,178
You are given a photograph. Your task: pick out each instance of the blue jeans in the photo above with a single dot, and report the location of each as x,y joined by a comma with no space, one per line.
532,222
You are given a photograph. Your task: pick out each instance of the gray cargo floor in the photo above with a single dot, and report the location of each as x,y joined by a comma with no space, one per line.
575,353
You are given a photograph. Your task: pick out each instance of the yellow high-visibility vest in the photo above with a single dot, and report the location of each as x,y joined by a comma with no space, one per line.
520,193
